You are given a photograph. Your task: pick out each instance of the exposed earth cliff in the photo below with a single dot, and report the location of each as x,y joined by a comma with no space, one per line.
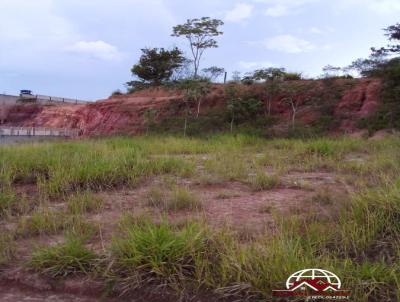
345,101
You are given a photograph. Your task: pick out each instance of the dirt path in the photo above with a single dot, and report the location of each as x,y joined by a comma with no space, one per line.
15,294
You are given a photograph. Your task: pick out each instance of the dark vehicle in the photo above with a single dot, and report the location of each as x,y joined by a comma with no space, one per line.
26,96
25,92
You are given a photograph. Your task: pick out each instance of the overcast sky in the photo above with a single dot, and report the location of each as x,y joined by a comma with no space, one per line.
85,48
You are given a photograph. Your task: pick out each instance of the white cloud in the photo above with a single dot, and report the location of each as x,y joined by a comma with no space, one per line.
247,65
277,11
240,12
288,44
378,6
279,8
97,49
316,30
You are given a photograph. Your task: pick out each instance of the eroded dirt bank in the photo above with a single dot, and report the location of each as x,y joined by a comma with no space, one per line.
348,101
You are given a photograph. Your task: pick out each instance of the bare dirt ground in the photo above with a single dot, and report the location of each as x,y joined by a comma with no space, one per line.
232,204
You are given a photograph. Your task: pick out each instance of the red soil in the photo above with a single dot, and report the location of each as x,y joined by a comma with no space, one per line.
124,114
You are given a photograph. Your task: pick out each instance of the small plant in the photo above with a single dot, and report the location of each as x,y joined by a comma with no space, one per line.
81,203
263,182
182,199
156,197
8,199
42,222
63,260
7,247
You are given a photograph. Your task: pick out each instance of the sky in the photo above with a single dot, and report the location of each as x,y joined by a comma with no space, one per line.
85,48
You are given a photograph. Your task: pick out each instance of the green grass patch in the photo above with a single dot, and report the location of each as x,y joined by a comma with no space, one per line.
62,260
262,182
149,253
83,202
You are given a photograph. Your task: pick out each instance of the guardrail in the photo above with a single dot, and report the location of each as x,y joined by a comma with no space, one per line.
51,99
38,131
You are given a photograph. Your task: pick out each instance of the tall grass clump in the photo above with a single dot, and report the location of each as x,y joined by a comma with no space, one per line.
158,254
65,259
83,202
43,221
8,201
7,247
370,226
183,199
176,198
227,166
262,181
92,165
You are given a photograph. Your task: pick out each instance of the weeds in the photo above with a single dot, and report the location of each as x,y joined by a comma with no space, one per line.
179,198
42,222
7,247
156,254
81,203
62,260
262,182
360,242
182,199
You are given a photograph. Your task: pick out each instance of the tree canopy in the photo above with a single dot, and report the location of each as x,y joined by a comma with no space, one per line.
200,33
156,65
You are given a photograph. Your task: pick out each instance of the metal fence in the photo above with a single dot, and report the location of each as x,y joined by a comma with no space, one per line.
38,131
51,99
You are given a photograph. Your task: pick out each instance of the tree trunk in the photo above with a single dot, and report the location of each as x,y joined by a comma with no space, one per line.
198,108
233,117
293,118
269,107
185,126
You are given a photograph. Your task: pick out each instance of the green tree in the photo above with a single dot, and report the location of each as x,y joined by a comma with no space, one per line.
233,101
200,33
212,73
393,33
194,91
155,66
297,94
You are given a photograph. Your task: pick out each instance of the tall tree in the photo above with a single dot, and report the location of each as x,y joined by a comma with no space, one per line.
200,33
155,66
298,94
